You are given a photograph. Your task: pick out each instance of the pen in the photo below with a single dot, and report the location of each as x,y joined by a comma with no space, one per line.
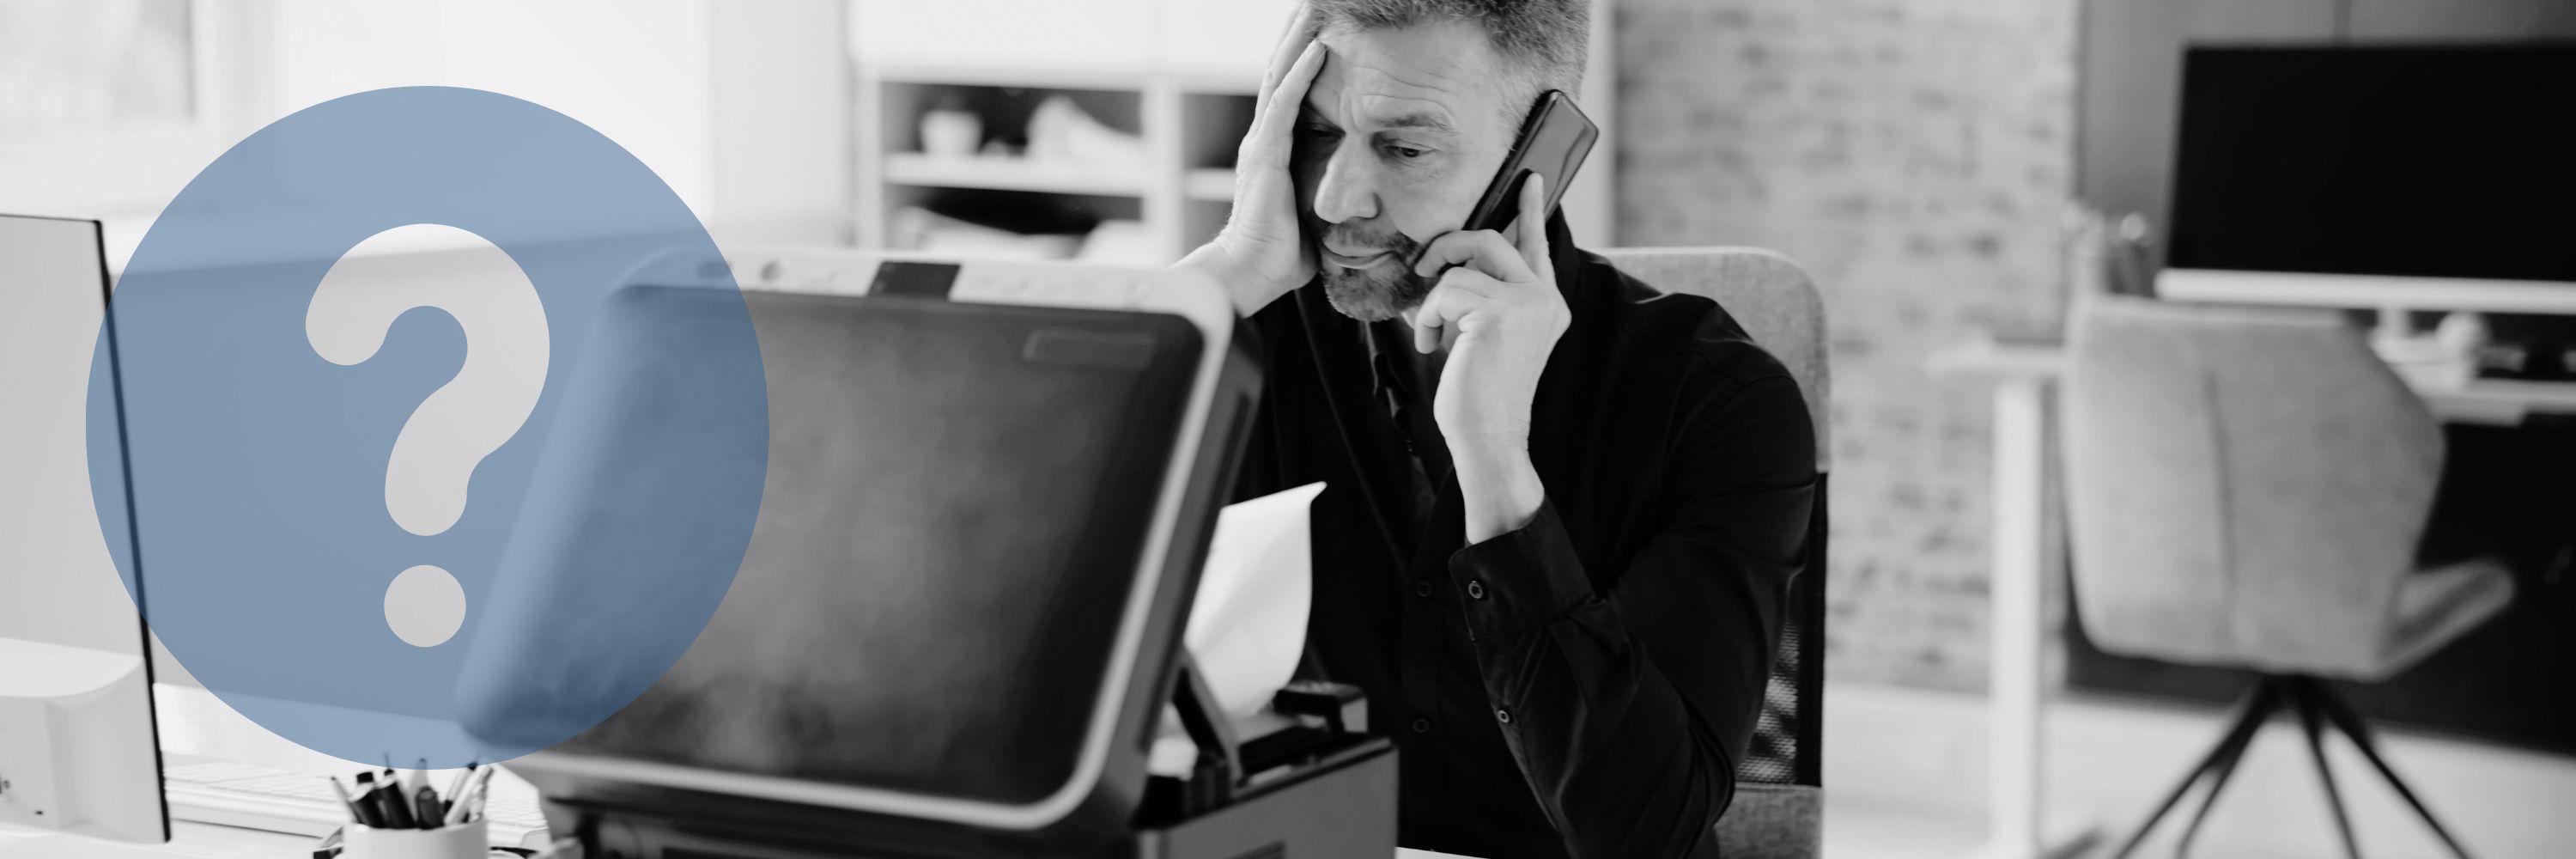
425,801
391,805
357,812
465,805
457,806
456,786
482,787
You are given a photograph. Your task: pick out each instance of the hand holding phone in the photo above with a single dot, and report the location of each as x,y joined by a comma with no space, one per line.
1499,314
1496,309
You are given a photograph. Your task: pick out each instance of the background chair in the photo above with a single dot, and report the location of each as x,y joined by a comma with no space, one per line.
1778,807
2247,488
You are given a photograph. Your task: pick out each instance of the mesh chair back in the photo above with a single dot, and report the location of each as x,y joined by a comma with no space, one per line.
1776,302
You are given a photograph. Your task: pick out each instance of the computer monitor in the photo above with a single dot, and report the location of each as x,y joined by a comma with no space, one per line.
77,746
2420,162
2412,161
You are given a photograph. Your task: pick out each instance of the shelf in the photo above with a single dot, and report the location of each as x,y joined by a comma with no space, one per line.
1103,79
1209,183
2498,402
1012,174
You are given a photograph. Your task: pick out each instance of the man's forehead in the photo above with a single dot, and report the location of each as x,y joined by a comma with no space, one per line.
1414,73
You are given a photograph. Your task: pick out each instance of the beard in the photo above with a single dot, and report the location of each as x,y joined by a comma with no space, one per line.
1378,293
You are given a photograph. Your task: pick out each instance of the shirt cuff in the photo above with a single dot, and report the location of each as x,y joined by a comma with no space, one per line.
1521,578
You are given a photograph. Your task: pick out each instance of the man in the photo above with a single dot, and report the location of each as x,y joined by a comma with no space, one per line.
1562,511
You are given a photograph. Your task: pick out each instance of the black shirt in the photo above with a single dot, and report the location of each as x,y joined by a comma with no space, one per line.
1404,383
1584,685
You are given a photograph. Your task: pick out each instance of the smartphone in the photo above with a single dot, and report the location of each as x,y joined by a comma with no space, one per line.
1552,142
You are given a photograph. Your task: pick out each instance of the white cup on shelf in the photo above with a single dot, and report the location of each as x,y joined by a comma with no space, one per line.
468,840
949,133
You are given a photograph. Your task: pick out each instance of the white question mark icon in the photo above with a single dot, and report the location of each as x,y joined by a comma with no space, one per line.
435,454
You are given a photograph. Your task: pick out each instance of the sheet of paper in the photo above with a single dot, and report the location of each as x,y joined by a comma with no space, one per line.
1248,625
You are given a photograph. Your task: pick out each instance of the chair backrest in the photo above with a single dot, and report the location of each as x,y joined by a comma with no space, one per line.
1777,810
2246,487
1768,293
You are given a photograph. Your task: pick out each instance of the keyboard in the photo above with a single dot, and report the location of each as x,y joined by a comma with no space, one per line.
301,803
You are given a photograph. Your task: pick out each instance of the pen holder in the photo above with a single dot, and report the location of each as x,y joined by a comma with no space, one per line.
468,840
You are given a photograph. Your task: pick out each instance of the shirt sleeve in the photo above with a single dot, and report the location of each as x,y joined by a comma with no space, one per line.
1628,707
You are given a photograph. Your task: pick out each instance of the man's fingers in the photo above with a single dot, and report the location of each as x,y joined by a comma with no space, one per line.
1431,317
1483,249
1276,126
1530,227
1292,40
1458,292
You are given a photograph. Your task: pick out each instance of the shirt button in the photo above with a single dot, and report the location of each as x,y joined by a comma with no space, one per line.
1475,589
1503,715
1422,587
1422,726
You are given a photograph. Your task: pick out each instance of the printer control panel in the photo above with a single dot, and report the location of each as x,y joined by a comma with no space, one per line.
989,282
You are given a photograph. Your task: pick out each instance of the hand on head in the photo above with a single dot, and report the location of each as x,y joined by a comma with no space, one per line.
1260,254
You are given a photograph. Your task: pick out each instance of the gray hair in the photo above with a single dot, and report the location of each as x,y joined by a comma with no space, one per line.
1544,39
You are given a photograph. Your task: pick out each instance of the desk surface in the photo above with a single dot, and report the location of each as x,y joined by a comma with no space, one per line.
204,841
2366,292
2500,402
194,722
208,841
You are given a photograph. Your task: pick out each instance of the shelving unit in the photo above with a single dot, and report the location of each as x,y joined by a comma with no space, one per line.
1188,124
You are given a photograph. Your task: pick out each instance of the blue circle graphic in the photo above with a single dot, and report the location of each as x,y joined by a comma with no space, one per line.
257,472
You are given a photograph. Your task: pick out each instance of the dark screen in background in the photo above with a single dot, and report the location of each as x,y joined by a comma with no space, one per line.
2415,161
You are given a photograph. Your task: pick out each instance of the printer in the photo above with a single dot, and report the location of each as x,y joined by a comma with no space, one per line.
957,630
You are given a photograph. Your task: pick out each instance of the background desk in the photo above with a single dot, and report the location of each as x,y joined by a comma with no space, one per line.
2495,402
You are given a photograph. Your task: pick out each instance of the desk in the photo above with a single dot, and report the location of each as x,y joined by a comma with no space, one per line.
2367,292
195,722
2498,402
203,841
189,840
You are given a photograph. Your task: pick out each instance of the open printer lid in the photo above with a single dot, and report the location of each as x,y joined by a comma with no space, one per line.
990,488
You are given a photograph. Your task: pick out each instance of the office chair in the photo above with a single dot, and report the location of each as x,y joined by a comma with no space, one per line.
2247,488
1778,807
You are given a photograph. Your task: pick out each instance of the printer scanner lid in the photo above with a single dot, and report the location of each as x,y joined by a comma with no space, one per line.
990,486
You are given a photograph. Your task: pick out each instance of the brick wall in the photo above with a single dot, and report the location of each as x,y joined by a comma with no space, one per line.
1915,155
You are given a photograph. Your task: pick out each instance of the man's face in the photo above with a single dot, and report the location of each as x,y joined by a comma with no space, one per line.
1401,132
